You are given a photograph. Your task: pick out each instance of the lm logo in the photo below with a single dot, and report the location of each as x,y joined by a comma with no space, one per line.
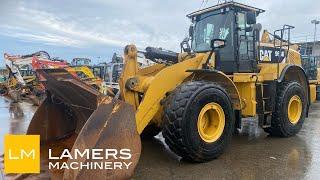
22,154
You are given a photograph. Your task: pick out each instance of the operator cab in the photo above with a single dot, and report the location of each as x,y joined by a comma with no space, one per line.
234,23
81,62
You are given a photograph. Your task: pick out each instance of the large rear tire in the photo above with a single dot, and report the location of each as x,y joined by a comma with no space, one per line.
198,121
290,110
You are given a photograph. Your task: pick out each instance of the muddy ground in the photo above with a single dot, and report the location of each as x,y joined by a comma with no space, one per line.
251,155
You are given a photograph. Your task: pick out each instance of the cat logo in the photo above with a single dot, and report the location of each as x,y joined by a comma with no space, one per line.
271,54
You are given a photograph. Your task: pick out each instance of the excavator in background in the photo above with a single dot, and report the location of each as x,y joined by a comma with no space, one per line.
22,82
82,68
197,98
81,61
86,75
4,73
110,72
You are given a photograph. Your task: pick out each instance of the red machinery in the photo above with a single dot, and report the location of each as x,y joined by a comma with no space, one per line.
22,80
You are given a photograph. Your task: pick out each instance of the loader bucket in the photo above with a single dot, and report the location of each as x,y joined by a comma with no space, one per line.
73,108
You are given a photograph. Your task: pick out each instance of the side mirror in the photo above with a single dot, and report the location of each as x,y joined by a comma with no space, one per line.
185,47
251,18
257,27
191,31
217,43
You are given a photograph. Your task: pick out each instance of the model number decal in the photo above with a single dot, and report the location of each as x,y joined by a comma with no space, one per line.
271,54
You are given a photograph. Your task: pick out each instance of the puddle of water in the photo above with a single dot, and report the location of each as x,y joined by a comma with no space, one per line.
14,117
251,155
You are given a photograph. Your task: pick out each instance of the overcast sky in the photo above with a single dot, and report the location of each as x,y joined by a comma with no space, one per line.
98,28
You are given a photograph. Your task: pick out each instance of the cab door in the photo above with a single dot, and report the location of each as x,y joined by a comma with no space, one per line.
247,44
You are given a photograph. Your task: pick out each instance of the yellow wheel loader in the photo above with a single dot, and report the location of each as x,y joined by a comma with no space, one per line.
196,98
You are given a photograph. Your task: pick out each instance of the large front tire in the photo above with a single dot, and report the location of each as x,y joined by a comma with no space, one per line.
198,121
290,110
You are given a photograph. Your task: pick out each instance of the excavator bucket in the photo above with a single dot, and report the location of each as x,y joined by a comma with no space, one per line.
75,109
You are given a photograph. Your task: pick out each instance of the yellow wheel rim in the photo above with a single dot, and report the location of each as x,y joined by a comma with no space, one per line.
294,109
211,122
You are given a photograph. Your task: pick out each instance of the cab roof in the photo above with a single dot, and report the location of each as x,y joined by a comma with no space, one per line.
224,5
